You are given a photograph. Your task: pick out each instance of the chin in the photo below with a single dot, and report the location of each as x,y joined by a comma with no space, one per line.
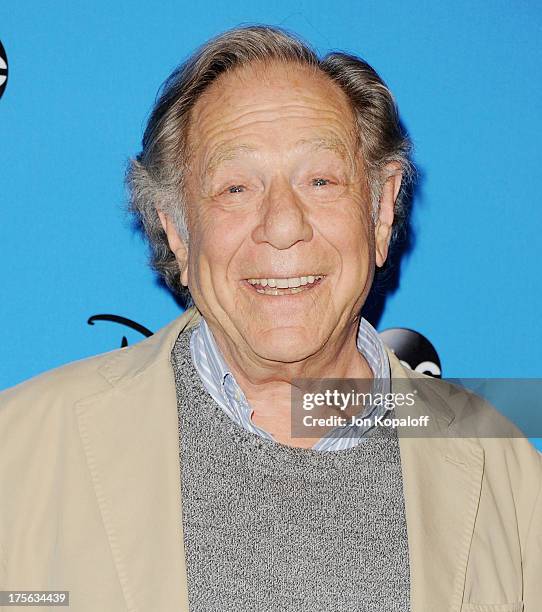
286,345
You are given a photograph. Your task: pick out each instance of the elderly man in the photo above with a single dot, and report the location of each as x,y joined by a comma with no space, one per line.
168,476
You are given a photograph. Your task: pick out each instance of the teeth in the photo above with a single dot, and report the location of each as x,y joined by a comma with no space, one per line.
282,283
280,292
295,284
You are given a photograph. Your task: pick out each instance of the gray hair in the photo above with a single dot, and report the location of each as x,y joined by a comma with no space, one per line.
155,178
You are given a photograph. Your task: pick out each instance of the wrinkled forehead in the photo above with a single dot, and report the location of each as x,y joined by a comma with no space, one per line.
261,93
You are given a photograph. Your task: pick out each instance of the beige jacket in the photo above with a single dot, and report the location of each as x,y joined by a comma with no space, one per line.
90,495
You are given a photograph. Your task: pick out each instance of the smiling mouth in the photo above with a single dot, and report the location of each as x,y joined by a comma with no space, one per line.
285,286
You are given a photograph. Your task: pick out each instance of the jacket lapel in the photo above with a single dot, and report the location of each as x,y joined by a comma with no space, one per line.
130,437
442,479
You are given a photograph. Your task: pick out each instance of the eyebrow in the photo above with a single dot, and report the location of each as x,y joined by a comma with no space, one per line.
326,143
336,145
224,153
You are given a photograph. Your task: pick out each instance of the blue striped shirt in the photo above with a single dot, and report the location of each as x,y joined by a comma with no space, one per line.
223,388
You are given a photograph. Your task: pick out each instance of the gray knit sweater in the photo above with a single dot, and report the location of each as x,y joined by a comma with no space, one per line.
269,527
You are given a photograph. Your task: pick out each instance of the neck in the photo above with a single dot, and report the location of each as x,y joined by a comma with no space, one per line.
267,385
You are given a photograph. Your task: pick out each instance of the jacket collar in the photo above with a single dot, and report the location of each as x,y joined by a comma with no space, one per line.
133,360
129,434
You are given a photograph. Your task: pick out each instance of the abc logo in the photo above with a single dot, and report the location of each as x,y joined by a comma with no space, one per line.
413,350
3,69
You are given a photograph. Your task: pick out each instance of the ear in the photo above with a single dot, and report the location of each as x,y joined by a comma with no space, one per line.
176,244
390,190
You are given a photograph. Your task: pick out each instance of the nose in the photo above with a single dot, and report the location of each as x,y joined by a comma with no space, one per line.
283,220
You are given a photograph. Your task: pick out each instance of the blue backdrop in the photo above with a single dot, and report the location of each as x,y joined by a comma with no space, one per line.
83,77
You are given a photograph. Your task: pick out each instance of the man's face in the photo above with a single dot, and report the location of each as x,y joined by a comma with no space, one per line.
281,251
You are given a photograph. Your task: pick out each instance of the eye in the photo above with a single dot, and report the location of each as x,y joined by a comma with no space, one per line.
235,189
319,182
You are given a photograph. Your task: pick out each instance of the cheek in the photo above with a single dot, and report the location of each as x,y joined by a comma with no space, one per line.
349,230
356,260
360,229
217,238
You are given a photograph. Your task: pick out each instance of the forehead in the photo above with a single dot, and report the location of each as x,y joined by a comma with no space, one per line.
265,97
